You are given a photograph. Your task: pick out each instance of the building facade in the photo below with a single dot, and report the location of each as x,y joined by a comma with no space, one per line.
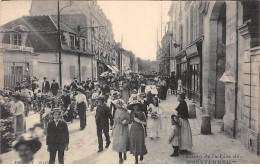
217,61
87,19
36,39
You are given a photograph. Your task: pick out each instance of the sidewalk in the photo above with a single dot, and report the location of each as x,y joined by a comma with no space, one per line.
209,149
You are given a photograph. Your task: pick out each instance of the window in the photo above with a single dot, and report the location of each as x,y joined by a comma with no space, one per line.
17,39
84,73
17,70
83,44
187,31
72,42
191,25
181,38
195,24
72,72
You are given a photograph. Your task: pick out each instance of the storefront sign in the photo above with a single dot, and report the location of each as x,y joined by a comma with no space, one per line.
192,50
16,47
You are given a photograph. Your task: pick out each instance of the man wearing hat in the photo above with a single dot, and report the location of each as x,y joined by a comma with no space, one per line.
57,137
55,88
103,115
45,86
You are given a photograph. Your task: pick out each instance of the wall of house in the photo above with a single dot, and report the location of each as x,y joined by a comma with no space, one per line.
86,68
49,66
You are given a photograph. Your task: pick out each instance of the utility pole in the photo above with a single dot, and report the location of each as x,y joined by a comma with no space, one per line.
78,43
59,43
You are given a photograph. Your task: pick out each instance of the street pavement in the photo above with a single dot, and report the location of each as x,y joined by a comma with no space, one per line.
213,148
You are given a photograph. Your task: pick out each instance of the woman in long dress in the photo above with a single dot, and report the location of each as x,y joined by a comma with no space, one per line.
121,130
186,136
156,122
17,109
137,132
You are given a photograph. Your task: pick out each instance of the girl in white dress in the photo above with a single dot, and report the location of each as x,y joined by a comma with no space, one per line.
155,112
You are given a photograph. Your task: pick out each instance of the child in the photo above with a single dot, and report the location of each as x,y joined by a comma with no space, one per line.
174,139
156,123
186,136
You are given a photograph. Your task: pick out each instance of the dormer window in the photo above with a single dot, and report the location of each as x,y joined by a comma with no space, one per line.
17,39
83,44
72,41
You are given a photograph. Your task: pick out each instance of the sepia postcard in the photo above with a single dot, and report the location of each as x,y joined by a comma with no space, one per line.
129,82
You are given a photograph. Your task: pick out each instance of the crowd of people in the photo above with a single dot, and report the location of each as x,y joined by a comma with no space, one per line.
119,101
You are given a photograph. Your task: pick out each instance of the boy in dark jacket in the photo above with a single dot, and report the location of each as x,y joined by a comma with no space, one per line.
57,137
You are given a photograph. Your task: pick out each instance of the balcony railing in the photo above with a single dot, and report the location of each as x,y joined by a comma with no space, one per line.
11,47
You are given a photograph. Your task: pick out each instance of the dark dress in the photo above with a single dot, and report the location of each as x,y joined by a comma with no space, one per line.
137,135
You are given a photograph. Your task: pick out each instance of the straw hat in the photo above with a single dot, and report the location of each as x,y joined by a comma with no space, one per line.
120,104
28,139
133,103
56,110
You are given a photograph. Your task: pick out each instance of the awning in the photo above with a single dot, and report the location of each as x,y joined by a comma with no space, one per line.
116,69
111,68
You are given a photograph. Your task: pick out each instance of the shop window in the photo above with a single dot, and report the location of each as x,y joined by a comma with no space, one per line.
17,39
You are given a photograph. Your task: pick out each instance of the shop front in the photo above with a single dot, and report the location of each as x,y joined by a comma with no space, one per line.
194,77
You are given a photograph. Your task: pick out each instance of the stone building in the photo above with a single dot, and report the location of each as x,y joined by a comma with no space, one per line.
40,33
217,60
87,19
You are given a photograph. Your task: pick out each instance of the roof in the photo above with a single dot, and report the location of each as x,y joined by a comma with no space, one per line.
62,26
42,31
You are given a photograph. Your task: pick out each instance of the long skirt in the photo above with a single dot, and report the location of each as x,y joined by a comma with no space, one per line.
19,124
156,126
137,140
121,138
186,136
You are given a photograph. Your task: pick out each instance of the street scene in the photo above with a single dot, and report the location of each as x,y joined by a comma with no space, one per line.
129,82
